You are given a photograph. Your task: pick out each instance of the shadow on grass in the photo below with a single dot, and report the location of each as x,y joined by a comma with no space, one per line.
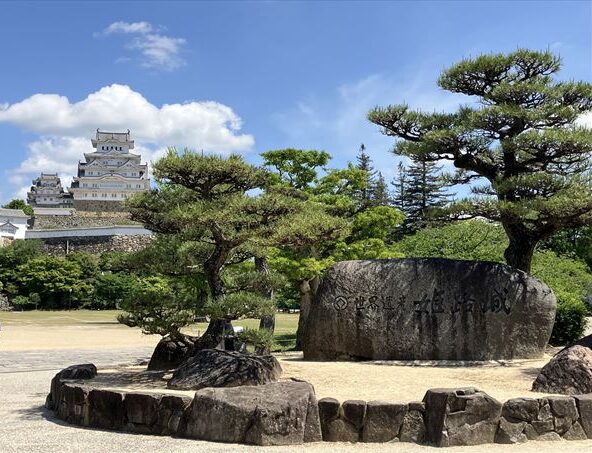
284,342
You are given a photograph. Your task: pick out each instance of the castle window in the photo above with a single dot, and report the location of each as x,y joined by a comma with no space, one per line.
94,195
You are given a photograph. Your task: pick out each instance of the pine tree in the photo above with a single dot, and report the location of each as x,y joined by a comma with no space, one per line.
380,192
520,135
419,189
207,203
400,183
425,192
365,164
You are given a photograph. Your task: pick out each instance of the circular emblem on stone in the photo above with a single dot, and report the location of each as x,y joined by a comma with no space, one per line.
340,303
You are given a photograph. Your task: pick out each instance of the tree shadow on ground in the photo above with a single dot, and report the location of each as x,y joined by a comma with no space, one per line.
531,372
101,323
132,377
38,412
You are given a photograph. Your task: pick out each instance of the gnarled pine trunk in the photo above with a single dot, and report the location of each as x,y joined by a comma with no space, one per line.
268,321
521,248
212,337
214,334
307,289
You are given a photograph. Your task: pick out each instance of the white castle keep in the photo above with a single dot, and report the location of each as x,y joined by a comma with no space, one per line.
110,174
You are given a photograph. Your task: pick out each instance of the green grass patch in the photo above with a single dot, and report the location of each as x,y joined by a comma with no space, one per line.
285,323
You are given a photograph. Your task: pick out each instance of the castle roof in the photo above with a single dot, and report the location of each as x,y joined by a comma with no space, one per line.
113,137
13,213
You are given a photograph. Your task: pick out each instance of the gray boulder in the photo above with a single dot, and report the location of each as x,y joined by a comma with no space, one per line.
584,341
569,372
216,368
280,413
383,421
72,406
106,409
521,410
171,352
413,427
170,414
510,432
141,411
460,417
428,309
73,372
584,403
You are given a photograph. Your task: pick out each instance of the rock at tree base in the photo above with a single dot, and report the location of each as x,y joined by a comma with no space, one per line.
569,372
216,368
456,417
170,353
281,413
430,309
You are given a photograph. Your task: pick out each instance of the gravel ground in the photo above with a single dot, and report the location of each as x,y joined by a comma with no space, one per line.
27,427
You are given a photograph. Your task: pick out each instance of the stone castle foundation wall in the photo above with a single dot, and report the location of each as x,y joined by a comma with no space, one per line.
82,219
99,206
95,245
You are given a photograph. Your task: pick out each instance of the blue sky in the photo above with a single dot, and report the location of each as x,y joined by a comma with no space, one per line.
245,76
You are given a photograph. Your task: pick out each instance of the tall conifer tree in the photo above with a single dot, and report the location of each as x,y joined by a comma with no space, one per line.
425,192
365,164
380,192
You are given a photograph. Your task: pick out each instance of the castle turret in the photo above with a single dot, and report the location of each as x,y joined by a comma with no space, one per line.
47,192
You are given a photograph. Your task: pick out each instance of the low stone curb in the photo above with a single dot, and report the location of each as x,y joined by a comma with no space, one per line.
287,413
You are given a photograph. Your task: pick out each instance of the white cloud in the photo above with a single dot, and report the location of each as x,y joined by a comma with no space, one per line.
65,129
49,155
157,50
204,125
128,27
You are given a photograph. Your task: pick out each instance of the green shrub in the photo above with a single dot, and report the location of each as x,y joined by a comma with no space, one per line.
256,340
570,320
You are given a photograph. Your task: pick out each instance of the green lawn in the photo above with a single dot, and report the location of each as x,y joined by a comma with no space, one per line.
286,323
59,318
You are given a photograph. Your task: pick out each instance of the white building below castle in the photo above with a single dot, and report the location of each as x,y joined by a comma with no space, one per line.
13,223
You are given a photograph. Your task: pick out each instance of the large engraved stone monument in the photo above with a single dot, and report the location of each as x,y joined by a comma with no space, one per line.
423,309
